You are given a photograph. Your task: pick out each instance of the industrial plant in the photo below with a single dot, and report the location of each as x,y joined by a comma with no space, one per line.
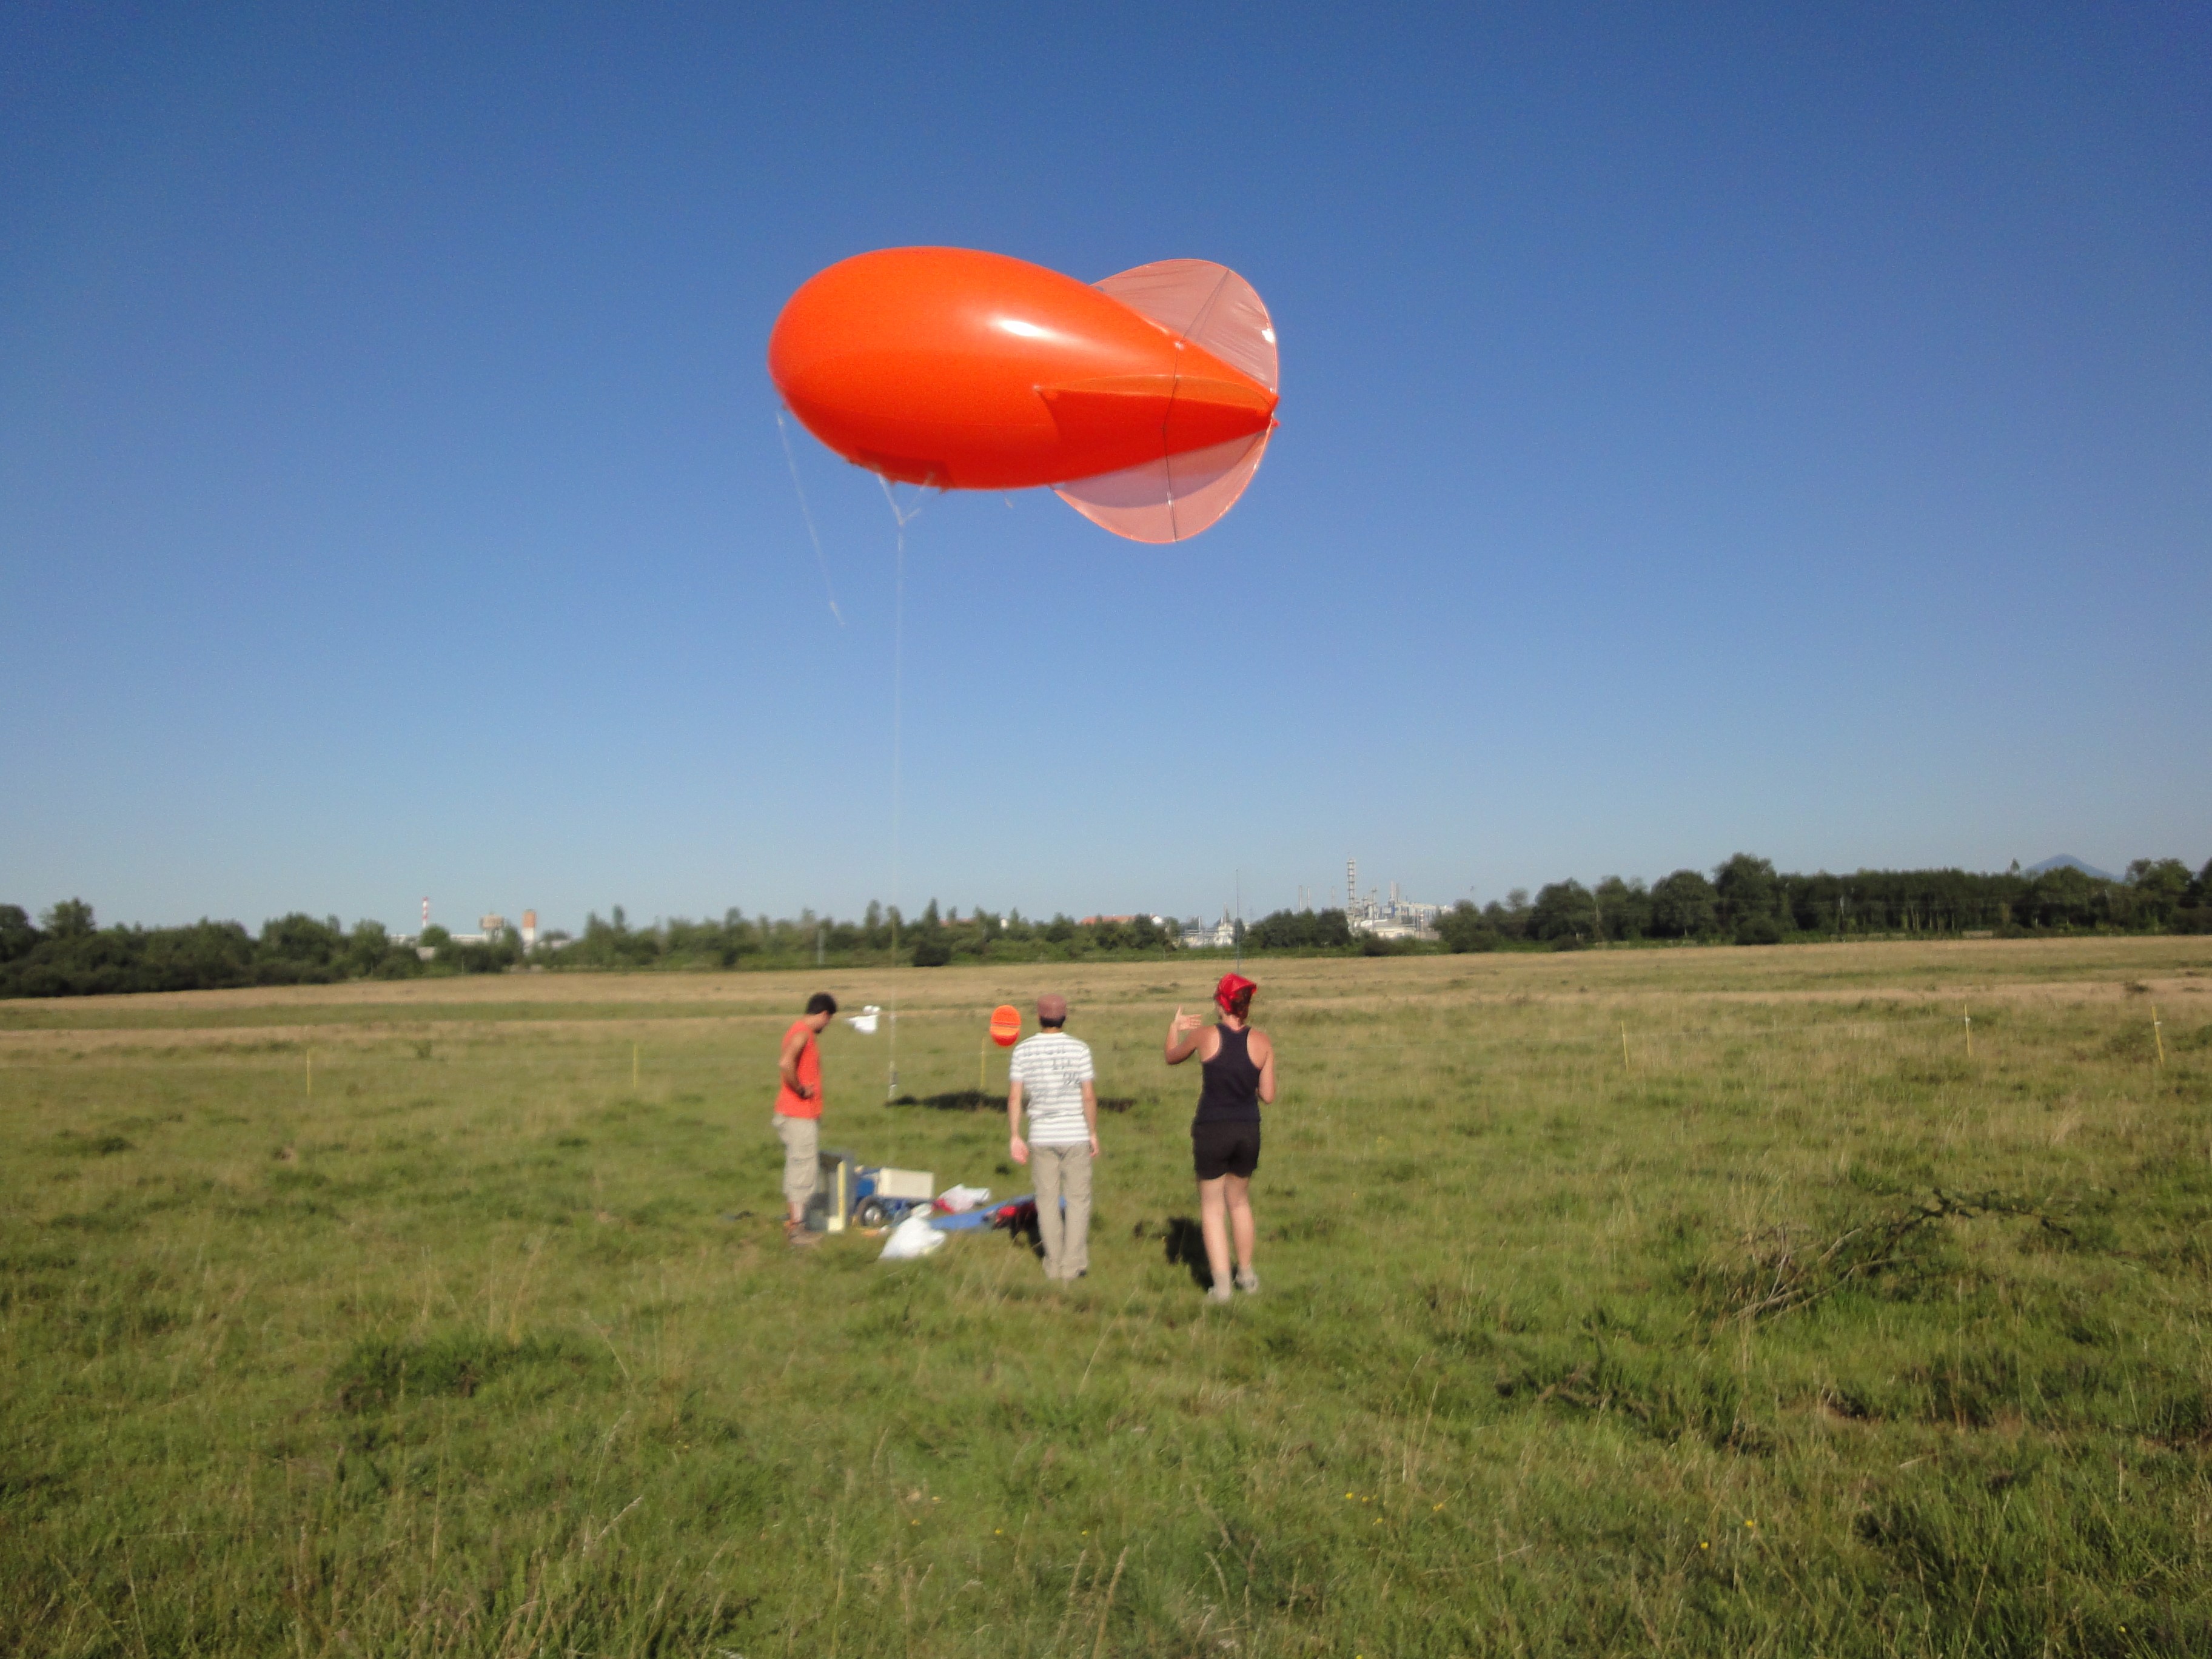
1385,917
1370,914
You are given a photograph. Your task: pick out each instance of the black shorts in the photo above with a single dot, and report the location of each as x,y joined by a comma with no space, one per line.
1224,1149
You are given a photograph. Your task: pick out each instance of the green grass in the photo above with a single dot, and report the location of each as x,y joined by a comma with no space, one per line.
1792,1329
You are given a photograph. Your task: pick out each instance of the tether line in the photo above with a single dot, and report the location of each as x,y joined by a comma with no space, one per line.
899,520
812,534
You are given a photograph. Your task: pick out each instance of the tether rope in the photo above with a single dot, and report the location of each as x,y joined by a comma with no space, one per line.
812,534
900,519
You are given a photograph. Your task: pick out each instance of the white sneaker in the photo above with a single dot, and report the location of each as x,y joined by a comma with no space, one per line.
1247,1280
1220,1293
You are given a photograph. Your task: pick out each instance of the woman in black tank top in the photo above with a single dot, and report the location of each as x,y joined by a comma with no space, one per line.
1239,1064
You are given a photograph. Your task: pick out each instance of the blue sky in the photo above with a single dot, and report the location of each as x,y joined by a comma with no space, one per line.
1783,430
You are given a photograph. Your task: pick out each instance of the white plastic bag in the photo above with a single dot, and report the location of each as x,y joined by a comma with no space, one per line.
864,1021
912,1238
958,1200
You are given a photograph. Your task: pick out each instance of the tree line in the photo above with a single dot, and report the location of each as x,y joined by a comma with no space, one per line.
881,936
67,954
1748,901
1745,900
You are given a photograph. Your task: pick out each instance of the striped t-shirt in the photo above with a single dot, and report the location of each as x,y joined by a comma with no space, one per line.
1052,1068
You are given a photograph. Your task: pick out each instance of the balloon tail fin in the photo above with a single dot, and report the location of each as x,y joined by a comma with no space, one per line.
1173,498
1210,306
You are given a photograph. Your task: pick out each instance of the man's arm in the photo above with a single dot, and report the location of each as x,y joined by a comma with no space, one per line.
793,1046
1090,1113
1183,1037
1016,1148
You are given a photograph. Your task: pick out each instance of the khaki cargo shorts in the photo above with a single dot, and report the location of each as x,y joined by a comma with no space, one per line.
802,1146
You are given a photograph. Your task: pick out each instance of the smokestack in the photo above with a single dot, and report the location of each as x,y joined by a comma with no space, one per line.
529,929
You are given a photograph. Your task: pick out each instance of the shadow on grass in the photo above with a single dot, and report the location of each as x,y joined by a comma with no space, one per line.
1184,1241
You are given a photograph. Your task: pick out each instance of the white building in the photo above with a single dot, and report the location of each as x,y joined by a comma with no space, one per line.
1221,936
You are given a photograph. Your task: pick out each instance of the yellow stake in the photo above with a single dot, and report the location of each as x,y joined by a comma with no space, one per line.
633,1066
2155,1035
1969,1018
1624,1045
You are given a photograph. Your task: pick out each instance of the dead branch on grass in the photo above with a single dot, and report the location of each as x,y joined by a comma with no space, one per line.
1782,1273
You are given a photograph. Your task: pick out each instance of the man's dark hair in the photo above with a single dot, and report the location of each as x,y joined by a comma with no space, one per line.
1051,1024
821,1003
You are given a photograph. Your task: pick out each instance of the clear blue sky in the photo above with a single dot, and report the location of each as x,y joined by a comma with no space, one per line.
1786,430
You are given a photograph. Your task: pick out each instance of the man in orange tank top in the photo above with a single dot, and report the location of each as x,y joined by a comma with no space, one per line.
799,1111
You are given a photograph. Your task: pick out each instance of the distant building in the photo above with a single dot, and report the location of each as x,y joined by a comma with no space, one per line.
1380,918
1220,936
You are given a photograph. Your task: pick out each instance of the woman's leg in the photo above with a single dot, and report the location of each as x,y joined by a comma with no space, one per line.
1215,1225
1238,1194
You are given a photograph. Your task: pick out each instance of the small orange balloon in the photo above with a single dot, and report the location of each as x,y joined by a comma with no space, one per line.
1005,1025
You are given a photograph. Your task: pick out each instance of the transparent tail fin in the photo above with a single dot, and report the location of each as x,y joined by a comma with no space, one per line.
1178,495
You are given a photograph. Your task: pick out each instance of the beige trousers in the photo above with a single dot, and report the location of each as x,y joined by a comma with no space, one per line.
802,1145
1063,1172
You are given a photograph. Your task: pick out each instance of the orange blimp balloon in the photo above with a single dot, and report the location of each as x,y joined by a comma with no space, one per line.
1144,401
1006,1024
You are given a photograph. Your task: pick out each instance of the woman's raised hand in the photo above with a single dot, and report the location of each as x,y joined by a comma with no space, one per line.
1182,1040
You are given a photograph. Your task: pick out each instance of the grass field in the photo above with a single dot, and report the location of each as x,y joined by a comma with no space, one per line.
1698,1302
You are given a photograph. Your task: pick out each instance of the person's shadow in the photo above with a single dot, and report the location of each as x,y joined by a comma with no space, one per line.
1186,1244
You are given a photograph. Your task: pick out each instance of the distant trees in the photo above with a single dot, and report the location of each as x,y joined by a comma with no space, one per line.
1684,906
1745,899
71,955
934,939
1623,908
1463,928
17,936
70,919
1564,910
1746,889
2194,914
931,949
2155,889
1137,933
1299,930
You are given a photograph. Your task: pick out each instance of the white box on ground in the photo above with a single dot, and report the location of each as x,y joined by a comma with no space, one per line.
905,1183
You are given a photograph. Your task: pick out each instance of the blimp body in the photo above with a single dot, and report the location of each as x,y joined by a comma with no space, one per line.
1145,401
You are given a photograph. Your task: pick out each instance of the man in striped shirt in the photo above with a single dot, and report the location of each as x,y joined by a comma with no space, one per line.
1053,1069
